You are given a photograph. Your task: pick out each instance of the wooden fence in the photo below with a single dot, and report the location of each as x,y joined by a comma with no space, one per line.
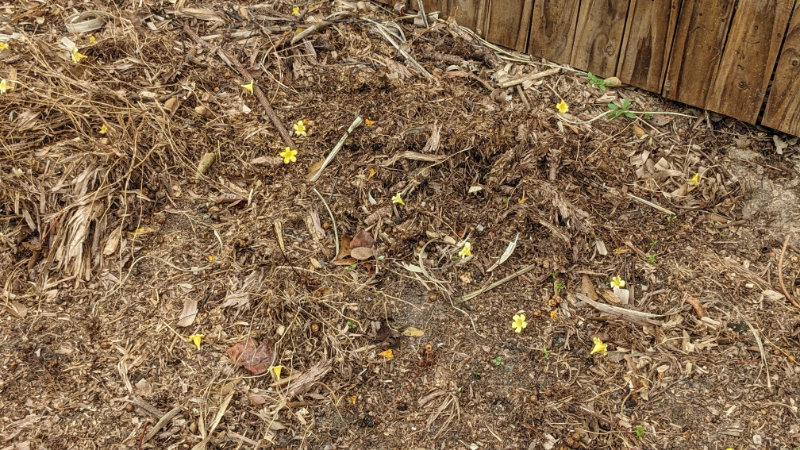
740,58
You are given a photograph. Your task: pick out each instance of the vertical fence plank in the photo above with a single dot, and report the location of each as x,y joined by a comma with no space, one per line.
783,104
647,42
599,36
697,49
468,13
749,57
553,27
508,23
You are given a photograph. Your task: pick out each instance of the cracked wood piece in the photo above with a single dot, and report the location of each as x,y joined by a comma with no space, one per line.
599,36
783,104
508,23
647,43
553,29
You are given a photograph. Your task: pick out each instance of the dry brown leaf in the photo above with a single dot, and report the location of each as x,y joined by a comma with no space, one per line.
362,253
188,314
362,239
255,357
587,288
344,258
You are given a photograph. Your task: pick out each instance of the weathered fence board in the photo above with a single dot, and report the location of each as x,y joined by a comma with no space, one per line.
508,23
468,13
749,58
647,42
599,35
553,28
783,105
697,49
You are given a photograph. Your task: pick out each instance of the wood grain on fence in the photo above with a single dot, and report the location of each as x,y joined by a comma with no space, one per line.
749,58
783,105
553,29
508,23
649,31
697,50
599,35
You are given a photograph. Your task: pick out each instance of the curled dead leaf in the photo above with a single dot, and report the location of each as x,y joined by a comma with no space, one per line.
255,357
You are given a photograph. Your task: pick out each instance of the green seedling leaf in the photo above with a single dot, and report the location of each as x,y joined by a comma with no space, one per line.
498,361
639,431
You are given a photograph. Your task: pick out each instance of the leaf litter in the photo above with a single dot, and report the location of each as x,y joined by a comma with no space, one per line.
105,241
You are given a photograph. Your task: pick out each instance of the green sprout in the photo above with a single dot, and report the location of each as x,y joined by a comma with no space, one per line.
546,353
498,361
639,431
349,268
651,259
594,80
559,287
620,110
352,325
476,374
671,219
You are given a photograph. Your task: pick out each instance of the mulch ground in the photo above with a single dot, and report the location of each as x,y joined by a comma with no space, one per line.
147,195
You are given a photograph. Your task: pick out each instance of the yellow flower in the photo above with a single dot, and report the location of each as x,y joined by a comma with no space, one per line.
5,86
387,354
562,107
196,339
296,11
397,199
288,155
519,323
466,250
76,55
299,128
695,180
599,347
92,39
553,314
369,122
248,87
103,129
3,46
211,258
277,371
617,282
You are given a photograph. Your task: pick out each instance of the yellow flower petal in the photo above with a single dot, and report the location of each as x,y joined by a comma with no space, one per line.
387,354
398,199
277,371
562,107
92,39
5,86
466,250
196,339
3,46
103,129
288,155
695,180
617,282
369,122
519,323
352,399
247,87
77,56
296,11
299,128
599,347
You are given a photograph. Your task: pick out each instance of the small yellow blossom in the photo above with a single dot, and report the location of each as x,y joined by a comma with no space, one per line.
296,11
387,354
211,258
247,87
288,155
553,314
617,282
352,399
92,39
562,107
466,250
5,86
397,199
519,323
369,122
300,128
599,347
695,180
277,371
76,55
103,129
196,339
3,46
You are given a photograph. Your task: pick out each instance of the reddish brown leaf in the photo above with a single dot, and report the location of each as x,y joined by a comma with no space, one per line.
254,357
362,239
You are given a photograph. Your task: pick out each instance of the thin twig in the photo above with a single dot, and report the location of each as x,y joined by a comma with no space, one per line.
160,424
780,273
335,231
358,121
651,204
480,291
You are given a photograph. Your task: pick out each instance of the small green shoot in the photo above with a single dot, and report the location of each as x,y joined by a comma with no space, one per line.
349,268
559,287
351,325
476,374
651,259
596,81
498,361
620,110
546,353
671,219
554,275
639,431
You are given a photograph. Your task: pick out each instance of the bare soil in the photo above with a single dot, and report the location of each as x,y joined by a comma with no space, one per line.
115,248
